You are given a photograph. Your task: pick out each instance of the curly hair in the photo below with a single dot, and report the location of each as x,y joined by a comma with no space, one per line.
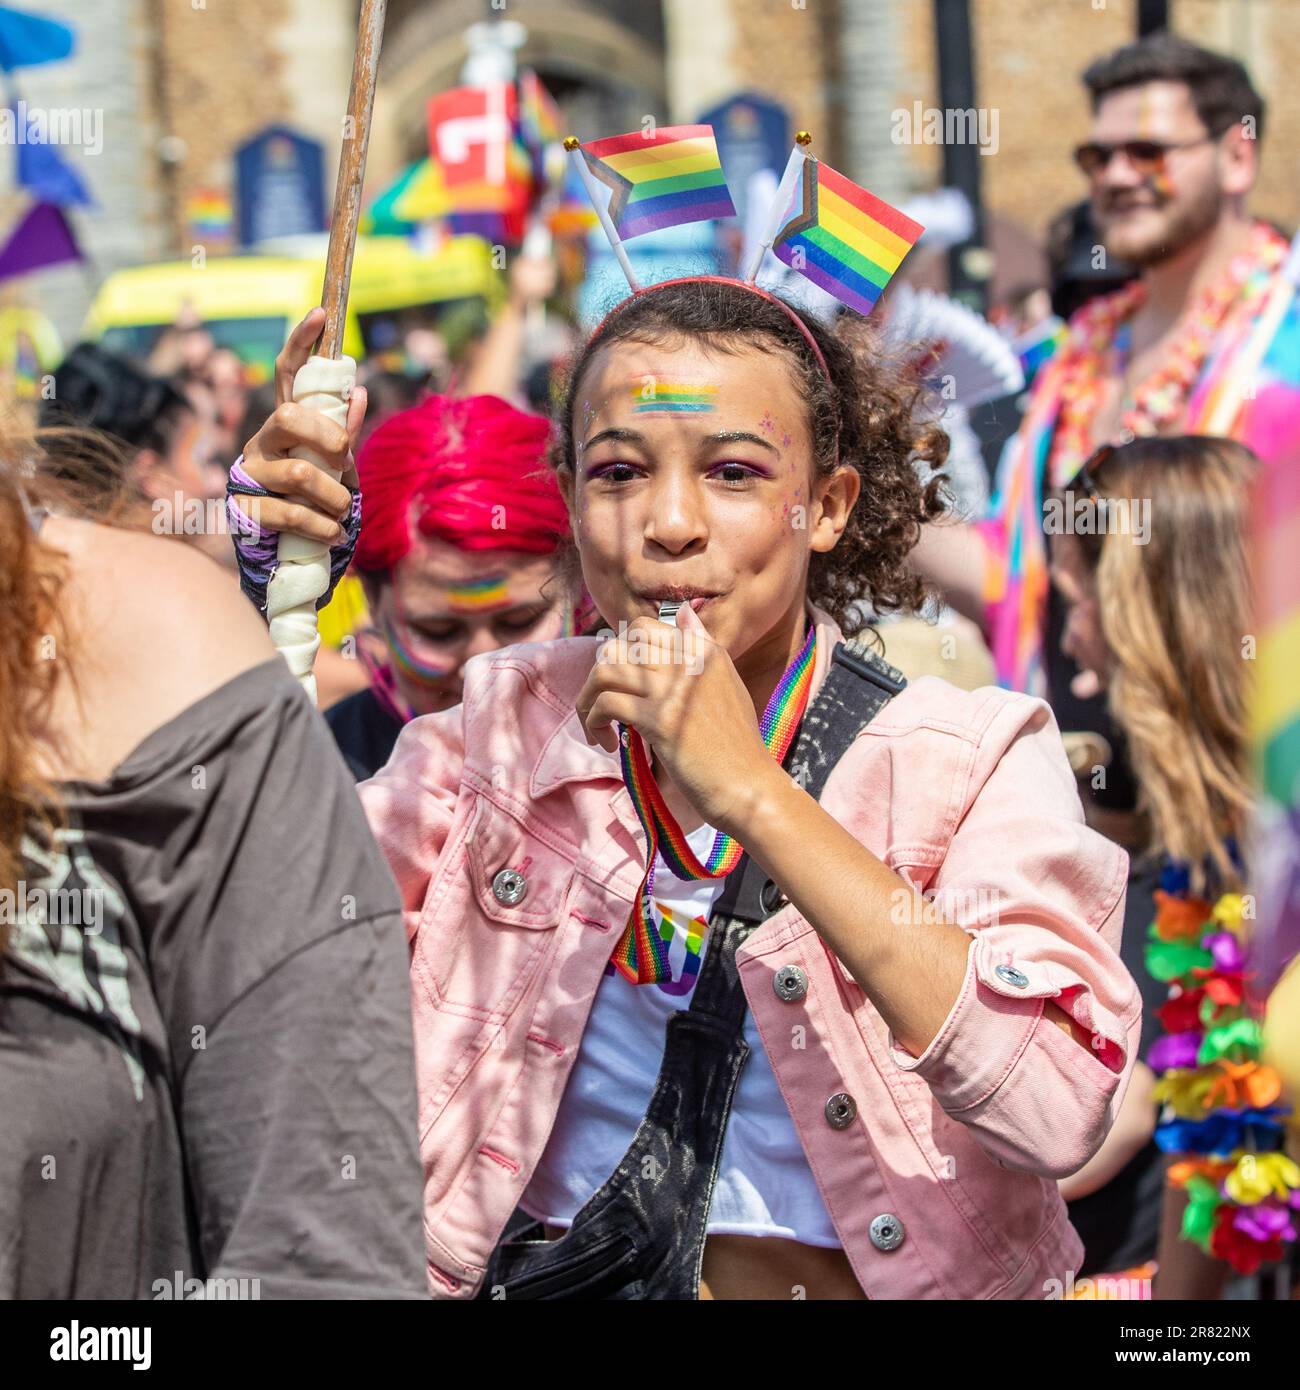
863,412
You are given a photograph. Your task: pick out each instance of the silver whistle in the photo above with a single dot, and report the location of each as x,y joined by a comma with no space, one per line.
668,610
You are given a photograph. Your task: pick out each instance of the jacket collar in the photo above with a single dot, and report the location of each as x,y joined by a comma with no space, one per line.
567,757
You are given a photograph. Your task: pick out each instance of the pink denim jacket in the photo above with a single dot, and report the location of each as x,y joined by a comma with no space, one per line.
966,795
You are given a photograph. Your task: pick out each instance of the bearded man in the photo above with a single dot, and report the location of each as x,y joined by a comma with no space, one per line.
1170,160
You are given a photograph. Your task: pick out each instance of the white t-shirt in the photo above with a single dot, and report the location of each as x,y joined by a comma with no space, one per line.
765,1186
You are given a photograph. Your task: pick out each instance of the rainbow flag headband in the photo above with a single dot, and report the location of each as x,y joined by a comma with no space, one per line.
641,954
821,224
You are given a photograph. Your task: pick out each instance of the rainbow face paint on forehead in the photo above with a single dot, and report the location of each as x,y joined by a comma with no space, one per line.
650,396
478,594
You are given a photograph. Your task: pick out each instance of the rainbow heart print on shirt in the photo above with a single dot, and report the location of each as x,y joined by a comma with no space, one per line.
683,936
683,939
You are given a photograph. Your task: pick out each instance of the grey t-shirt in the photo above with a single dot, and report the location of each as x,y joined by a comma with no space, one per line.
206,1066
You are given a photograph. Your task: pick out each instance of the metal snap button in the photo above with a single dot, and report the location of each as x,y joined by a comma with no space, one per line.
887,1231
771,897
1011,975
790,983
509,887
841,1110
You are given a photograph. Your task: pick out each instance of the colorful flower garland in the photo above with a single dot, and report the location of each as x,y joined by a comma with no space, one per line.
1098,343
1225,1121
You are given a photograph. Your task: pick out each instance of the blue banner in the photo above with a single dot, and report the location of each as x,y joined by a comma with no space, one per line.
280,179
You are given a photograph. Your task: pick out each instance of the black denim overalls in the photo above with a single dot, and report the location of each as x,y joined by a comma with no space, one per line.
642,1234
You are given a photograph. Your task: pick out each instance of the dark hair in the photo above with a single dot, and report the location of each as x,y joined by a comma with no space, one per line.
866,414
1220,86
1073,273
105,391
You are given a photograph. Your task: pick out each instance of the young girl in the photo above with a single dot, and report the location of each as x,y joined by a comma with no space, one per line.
1160,619
862,1077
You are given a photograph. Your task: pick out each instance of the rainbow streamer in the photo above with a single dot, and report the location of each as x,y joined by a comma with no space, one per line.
660,178
842,238
641,953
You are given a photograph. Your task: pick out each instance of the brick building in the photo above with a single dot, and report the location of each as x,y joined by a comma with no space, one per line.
181,82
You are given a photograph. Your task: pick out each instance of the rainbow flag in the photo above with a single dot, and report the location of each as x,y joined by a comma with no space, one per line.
660,178
842,238
1268,422
540,123
1038,345
1270,425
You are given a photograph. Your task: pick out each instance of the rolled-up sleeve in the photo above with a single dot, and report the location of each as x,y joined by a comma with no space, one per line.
1042,896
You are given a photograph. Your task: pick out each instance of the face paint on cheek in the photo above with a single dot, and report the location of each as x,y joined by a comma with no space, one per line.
418,668
1161,184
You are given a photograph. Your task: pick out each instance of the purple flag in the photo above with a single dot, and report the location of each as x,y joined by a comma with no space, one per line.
42,238
43,172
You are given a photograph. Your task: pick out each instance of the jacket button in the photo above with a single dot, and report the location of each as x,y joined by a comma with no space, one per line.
771,897
841,1110
887,1231
790,983
509,887
1011,975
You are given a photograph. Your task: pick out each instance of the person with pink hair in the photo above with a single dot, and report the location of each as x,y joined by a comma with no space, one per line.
458,555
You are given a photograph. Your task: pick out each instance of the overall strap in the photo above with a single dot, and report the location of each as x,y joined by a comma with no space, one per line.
858,685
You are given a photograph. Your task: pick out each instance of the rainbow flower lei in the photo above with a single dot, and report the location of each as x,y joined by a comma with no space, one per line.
1224,1107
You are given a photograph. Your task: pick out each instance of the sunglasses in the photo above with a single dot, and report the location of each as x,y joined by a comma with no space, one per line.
1085,480
1146,156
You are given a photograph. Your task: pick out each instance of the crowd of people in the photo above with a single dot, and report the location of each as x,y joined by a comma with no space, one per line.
689,934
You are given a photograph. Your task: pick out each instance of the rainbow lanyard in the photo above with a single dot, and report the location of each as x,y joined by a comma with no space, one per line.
641,955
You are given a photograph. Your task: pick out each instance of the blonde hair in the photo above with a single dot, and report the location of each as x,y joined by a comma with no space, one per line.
1176,613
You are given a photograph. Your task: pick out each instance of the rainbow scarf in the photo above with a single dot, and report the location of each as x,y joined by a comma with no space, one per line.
641,955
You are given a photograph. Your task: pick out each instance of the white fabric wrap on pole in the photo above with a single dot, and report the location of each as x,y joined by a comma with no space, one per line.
302,571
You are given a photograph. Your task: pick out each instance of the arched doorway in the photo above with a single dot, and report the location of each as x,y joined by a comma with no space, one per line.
603,62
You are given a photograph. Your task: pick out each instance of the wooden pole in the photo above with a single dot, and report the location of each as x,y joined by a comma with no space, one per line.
352,170
324,382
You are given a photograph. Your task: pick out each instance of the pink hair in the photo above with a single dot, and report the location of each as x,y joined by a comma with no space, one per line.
470,471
